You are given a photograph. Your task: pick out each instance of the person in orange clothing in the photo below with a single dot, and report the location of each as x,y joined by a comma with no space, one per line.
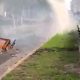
5,44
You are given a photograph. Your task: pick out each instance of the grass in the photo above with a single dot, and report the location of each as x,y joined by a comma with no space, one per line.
66,40
48,65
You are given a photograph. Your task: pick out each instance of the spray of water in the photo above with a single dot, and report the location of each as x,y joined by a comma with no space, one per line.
63,18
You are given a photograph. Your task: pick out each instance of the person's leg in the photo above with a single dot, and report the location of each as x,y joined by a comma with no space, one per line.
8,46
4,49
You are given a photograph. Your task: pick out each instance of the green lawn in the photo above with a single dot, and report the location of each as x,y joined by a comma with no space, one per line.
48,64
66,40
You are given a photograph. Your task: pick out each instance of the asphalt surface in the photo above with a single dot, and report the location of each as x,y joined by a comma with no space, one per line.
31,24
27,23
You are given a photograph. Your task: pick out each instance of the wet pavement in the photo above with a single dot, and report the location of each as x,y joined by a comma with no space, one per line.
30,26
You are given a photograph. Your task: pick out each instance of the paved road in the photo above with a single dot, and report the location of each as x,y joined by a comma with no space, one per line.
31,24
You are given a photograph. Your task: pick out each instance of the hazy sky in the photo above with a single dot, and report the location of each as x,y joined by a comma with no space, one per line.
67,2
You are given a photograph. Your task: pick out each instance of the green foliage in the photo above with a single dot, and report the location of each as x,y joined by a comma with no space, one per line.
66,40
